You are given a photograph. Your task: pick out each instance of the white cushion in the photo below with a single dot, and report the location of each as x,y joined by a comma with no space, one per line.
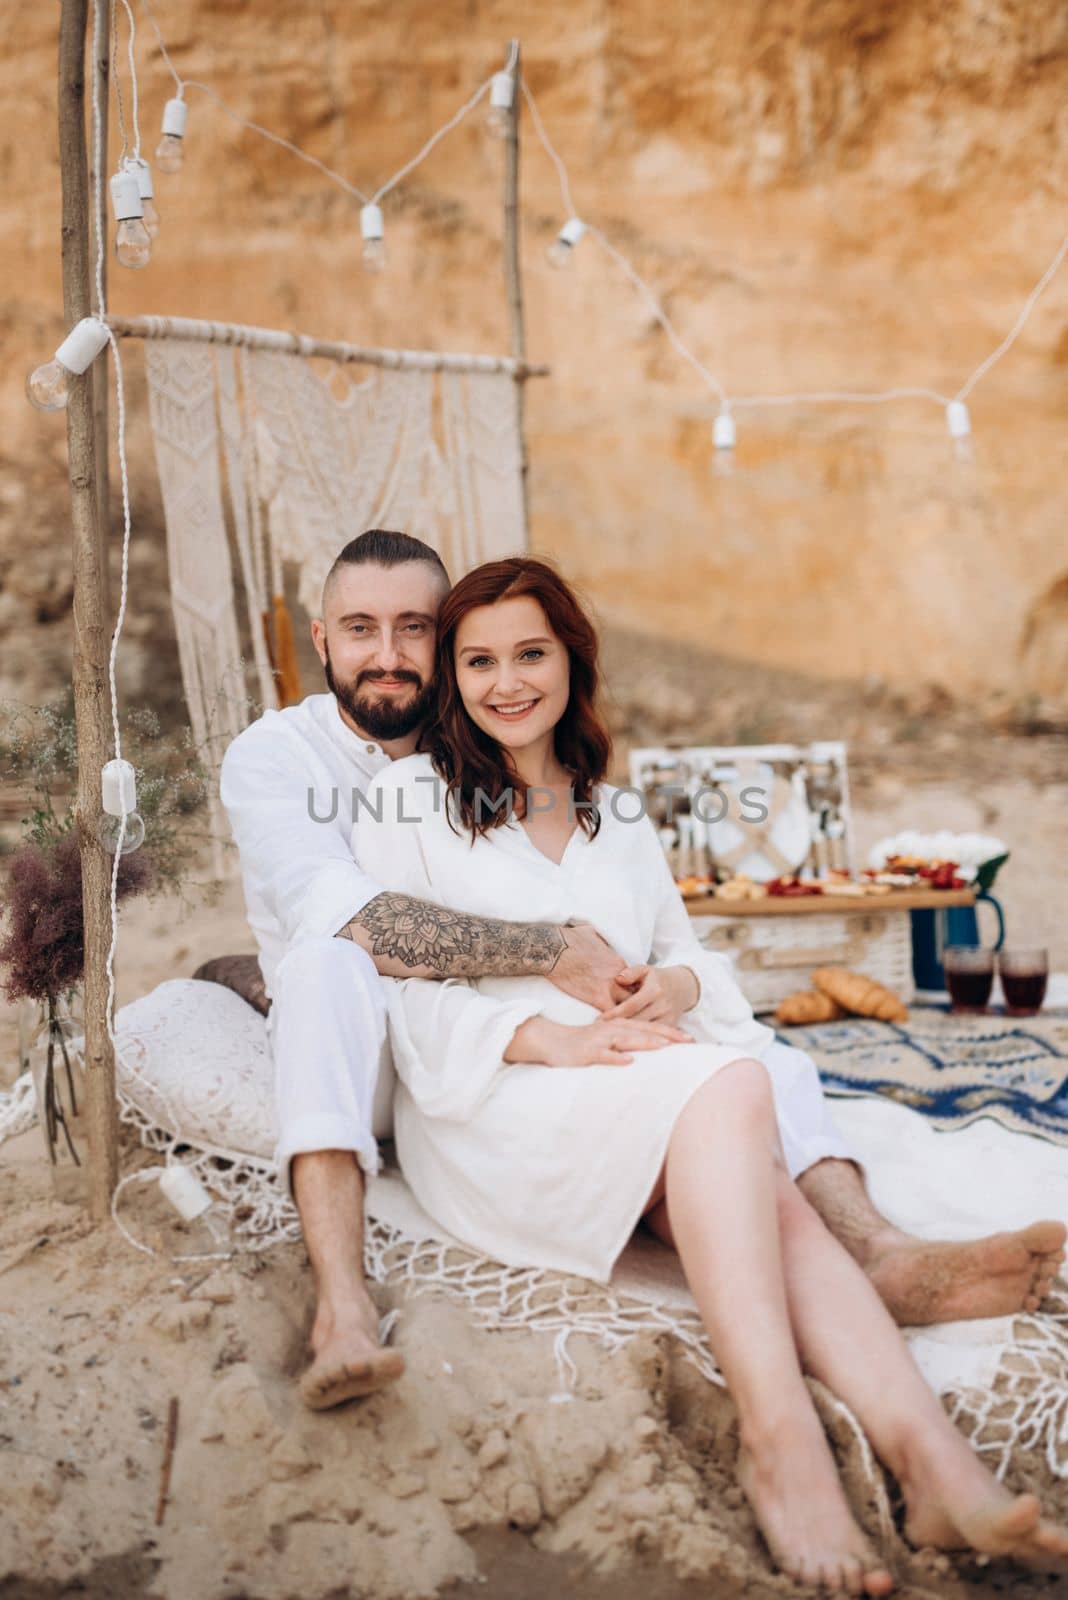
196,1059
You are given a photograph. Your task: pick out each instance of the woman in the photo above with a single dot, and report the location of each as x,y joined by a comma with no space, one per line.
539,1132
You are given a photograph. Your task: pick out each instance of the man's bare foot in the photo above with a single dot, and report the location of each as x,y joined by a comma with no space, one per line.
953,1503
347,1358
798,1501
922,1281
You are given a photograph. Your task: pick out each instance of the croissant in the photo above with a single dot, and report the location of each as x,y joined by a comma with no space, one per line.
808,1005
864,996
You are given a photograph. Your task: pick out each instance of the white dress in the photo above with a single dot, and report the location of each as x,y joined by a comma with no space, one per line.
552,1166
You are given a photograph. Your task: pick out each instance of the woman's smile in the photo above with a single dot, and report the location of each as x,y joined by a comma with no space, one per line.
514,712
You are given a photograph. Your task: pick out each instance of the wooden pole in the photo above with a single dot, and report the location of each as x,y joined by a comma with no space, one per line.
91,706
241,335
102,80
513,278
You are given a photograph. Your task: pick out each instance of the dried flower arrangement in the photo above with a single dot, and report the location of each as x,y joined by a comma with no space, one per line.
42,952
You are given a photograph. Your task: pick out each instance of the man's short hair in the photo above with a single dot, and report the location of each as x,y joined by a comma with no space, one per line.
382,548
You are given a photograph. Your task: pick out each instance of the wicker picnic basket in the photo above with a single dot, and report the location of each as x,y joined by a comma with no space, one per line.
775,956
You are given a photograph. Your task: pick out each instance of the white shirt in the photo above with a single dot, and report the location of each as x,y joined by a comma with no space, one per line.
288,783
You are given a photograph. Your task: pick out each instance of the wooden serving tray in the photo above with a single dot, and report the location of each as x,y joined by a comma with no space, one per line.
771,905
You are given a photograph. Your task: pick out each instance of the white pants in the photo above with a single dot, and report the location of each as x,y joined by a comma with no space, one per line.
808,1131
333,1073
334,1076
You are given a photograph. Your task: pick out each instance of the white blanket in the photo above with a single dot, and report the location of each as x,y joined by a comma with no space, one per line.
194,1059
954,1185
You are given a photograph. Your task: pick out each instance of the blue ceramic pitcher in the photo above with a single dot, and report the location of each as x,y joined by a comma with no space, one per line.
933,930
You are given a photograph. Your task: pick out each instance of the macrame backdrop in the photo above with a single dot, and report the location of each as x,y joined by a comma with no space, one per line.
265,452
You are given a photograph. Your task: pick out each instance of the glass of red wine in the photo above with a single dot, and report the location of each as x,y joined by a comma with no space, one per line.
1024,975
969,973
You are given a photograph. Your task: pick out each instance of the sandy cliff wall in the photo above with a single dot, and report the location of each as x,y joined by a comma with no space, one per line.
826,194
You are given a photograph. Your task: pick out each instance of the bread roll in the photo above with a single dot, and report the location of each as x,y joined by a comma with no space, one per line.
865,997
807,1006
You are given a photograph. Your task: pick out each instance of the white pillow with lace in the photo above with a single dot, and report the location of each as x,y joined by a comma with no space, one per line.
195,1059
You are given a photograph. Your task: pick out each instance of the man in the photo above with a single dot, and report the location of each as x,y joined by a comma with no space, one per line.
291,784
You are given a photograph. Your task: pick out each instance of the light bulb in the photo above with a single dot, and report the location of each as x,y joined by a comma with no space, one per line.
118,794
207,1223
724,437
133,243
218,1225
47,388
108,832
372,231
171,150
502,94
133,247
169,154
151,216
563,246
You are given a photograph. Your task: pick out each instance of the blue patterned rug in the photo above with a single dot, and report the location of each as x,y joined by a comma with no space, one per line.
953,1069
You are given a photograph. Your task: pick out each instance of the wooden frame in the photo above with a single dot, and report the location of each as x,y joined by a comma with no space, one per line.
87,448
90,664
197,331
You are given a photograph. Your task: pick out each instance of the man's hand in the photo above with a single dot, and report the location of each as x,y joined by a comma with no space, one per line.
587,966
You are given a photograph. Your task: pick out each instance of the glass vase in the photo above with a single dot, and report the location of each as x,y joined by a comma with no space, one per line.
59,1085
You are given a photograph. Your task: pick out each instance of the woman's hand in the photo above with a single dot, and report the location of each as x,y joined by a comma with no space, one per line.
600,1043
657,994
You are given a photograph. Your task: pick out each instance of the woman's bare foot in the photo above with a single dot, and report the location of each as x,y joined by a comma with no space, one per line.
801,1509
922,1282
953,1503
347,1358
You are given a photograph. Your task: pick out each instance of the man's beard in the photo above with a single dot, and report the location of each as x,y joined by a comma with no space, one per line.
382,719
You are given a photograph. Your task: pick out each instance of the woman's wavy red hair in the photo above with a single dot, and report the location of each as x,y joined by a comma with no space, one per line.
469,760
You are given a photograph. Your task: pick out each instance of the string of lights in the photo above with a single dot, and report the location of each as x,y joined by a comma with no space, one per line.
132,195
955,407
170,154
135,114
501,88
137,223
122,828
120,102
136,163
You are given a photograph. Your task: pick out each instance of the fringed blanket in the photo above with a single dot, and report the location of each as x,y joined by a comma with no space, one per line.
953,1069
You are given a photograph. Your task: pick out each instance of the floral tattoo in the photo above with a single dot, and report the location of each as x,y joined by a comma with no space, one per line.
453,944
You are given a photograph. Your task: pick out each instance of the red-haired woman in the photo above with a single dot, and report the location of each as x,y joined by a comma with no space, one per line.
539,1132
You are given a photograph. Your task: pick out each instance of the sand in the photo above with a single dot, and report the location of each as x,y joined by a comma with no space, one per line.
478,1473
477,1469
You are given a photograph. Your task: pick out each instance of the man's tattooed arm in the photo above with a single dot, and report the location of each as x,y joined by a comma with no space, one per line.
409,938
